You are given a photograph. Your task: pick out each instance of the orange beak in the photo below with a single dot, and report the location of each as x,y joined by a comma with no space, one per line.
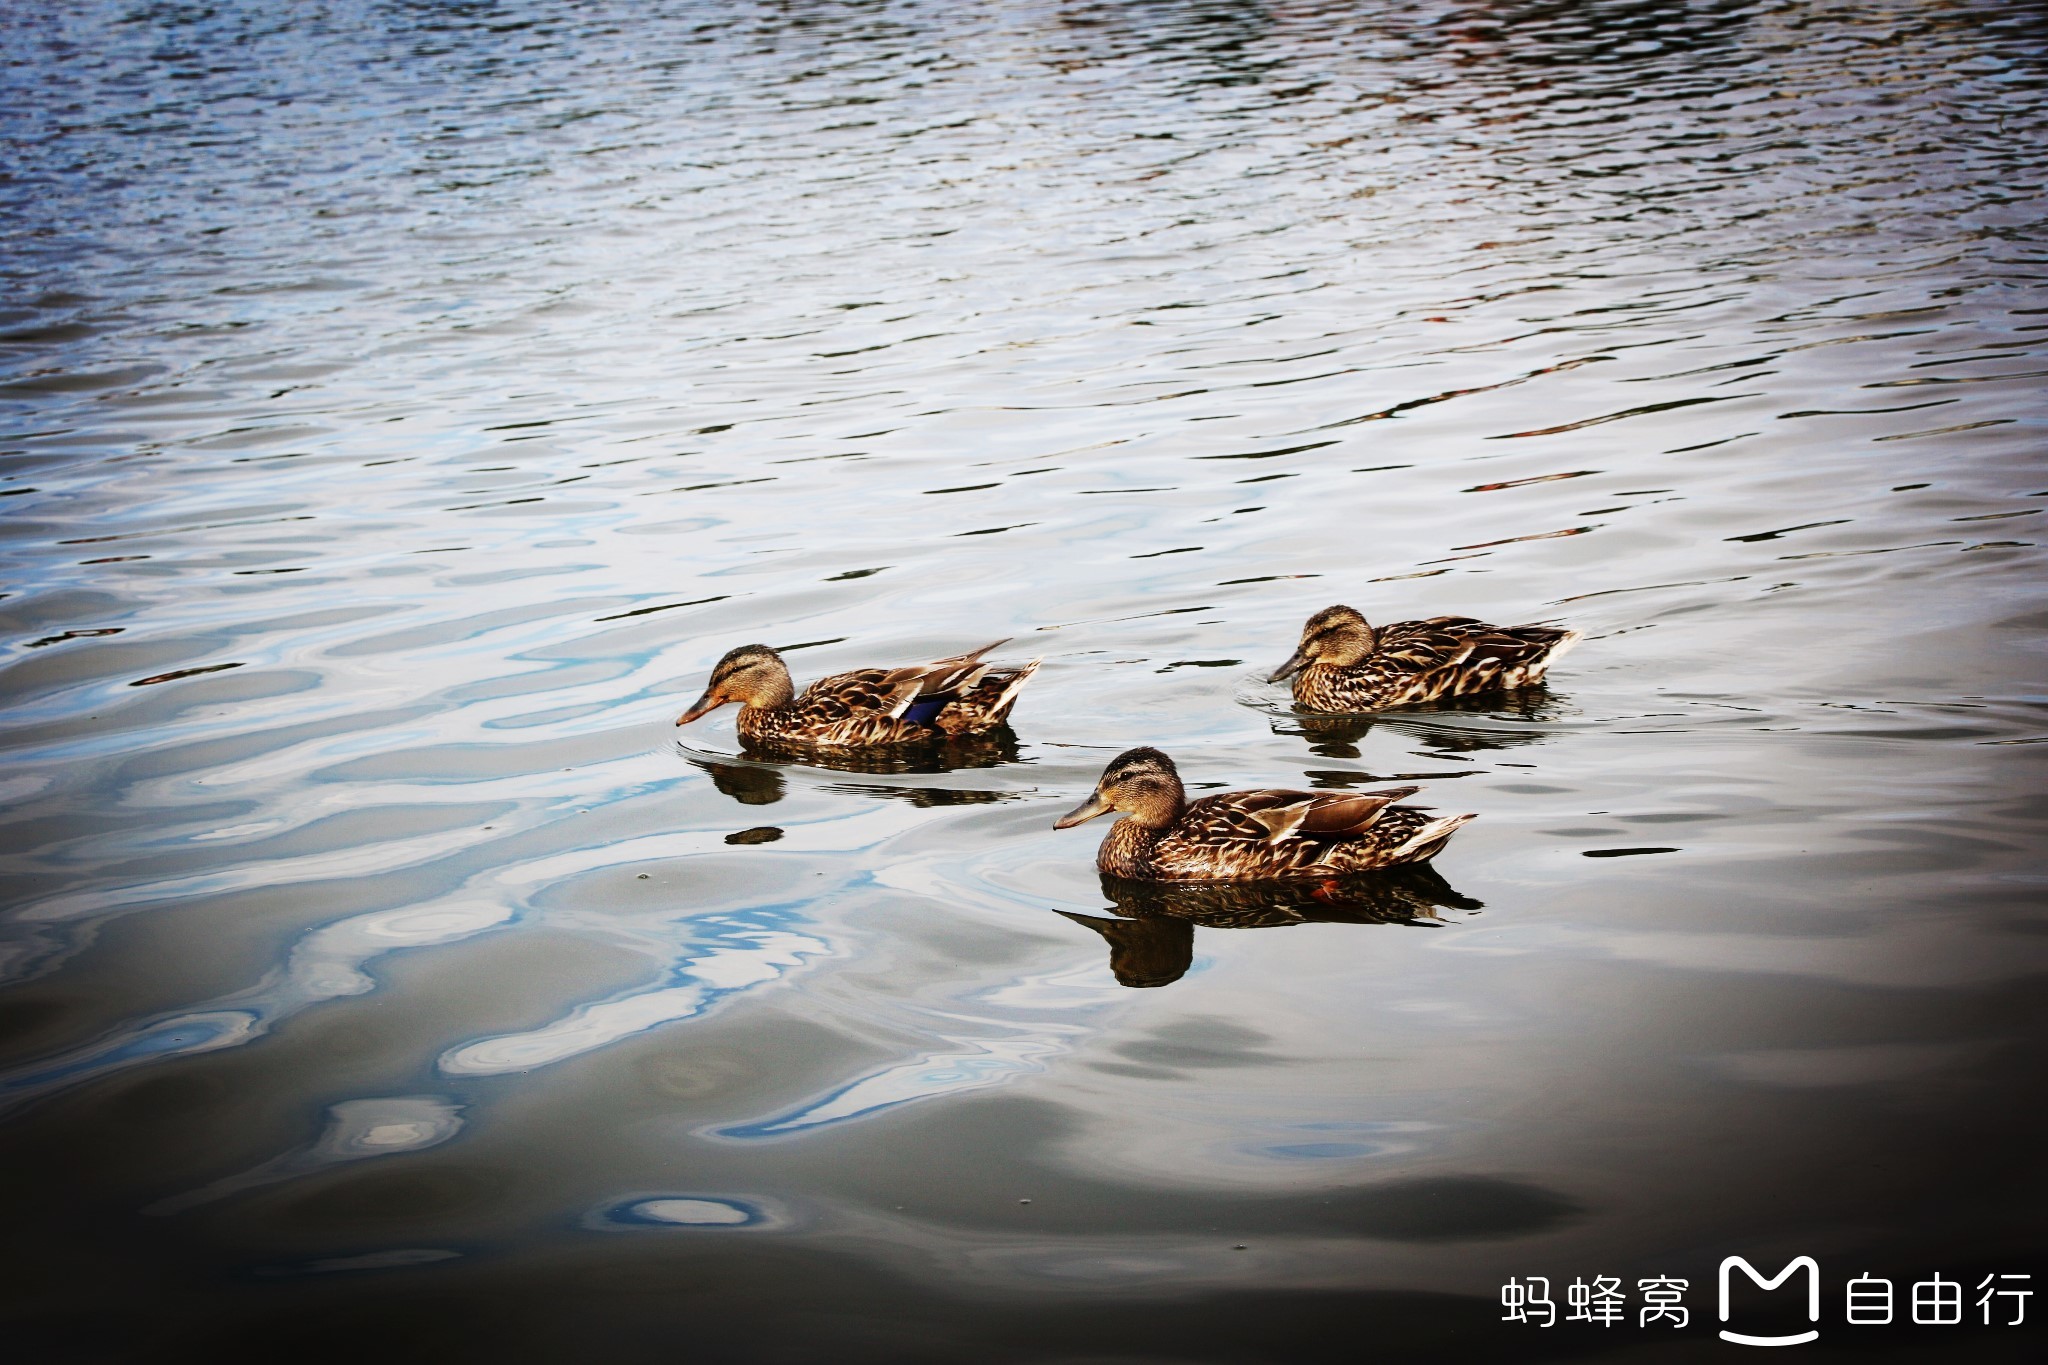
1299,660
703,707
1096,804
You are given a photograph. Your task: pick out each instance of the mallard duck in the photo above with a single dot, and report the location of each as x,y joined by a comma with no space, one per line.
1251,834
1343,664
945,698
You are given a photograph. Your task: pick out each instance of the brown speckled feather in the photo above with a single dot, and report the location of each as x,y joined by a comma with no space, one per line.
847,708
1420,661
1234,836
986,704
868,706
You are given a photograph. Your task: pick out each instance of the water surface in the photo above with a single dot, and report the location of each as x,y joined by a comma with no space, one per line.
405,405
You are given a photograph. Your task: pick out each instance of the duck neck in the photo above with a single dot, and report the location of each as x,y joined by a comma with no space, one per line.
764,711
1127,848
1317,685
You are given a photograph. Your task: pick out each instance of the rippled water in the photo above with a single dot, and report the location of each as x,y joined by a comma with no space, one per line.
405,404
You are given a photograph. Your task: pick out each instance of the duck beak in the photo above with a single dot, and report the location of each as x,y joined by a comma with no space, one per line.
1295,663
703,706
1096,804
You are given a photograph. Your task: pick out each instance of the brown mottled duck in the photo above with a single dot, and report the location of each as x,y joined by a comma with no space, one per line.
1250,835
1344,664
944,699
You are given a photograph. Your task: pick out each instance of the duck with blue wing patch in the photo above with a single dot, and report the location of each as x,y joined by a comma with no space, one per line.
945,699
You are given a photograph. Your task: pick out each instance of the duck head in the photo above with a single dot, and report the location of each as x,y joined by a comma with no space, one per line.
1334,635
1141,783
752,675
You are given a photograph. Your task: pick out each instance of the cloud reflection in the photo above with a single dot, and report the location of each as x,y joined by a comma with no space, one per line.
984,1063
1015,1028
721,1212
356,1130
746,949
326,964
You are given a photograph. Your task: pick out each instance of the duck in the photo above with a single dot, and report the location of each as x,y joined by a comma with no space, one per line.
1345,664
1250,835
947,698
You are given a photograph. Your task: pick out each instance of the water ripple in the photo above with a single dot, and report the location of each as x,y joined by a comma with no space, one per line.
402,408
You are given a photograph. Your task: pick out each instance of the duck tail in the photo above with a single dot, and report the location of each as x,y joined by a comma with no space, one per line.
1542,646
1007,698
962,672
1426,842
1557,650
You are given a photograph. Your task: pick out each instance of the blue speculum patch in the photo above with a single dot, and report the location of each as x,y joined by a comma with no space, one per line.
925,710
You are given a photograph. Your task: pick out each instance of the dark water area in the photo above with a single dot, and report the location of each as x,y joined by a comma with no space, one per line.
403,405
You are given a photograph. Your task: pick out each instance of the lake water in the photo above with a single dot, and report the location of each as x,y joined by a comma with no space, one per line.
405,404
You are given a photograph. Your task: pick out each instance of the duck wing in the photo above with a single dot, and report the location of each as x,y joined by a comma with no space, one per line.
1275,813
961,695
891,691
1264,821
983,706
1426,646
863,691
1477,654
888,705
1271,832
942,677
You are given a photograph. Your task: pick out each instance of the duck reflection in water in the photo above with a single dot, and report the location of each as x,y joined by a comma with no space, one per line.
755,777
986,750
1154,943
1339,735
747,783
